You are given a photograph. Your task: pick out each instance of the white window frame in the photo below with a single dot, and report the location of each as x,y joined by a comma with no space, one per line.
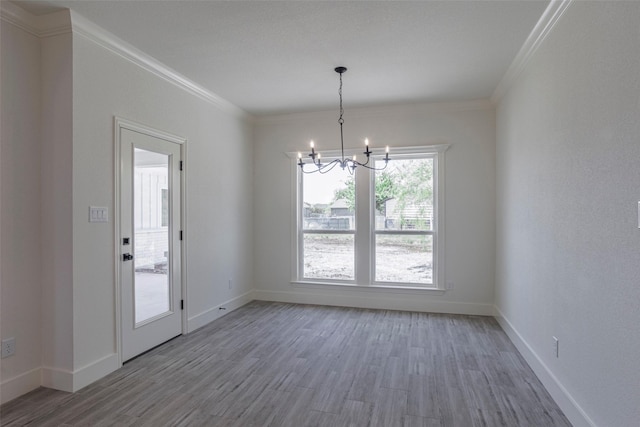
365,232
300,231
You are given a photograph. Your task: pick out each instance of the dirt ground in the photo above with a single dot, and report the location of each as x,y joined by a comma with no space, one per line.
406,259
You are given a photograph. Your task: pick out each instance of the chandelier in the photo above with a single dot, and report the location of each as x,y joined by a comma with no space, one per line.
345,163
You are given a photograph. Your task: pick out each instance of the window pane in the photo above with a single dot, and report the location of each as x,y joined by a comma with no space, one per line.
404,195
329,256
328,200
404,258
151,242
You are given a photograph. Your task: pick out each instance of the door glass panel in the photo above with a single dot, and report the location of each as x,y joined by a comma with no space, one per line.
151,234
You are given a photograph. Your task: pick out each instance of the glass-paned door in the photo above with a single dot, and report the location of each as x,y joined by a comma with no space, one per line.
150,243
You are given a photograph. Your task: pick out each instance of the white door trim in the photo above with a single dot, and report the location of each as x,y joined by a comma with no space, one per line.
119,124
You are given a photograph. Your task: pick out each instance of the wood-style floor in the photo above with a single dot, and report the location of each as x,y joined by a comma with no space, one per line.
274,364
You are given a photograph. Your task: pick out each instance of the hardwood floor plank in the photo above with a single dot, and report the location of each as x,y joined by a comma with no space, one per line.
277,364
356,413
422,400
390,408
415,421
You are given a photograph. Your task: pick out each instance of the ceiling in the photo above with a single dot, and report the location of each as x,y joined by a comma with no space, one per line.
271,57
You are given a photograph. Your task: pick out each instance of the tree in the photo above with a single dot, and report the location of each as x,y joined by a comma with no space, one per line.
410,182
347,193
385,190
414,183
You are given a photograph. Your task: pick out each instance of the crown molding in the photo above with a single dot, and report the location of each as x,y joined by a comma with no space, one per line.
382,111
540,32
109,41
66,21
43,26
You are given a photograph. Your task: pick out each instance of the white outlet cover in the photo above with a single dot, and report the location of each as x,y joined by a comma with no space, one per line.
8,347
98,214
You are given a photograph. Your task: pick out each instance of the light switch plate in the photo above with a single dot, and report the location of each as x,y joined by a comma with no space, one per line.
98,214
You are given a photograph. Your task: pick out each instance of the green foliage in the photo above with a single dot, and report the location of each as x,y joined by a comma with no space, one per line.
407,181
414,178
386,189
347,193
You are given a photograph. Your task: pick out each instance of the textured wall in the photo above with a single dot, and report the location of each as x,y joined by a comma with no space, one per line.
20,204
469,199
218,241
568,243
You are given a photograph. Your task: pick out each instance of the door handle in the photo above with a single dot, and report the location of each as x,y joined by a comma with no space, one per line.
127,257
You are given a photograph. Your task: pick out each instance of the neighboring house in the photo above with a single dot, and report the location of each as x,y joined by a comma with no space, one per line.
151,218
408,217
341,208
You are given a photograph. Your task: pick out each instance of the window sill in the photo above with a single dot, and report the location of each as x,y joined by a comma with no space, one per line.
310,284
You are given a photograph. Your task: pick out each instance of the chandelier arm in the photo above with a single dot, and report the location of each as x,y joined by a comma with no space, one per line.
321,169
328,167
365,163
350,168
373,168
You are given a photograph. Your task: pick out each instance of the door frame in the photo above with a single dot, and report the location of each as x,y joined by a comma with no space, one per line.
120,123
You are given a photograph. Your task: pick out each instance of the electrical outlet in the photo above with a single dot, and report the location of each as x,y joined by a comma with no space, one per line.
556,347
230,283
8,347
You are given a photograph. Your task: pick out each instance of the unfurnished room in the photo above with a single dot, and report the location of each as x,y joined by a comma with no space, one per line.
320,213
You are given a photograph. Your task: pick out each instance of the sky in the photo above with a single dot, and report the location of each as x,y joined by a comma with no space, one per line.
319,188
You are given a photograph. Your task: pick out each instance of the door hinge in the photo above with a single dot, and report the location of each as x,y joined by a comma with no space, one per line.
181,165
180,234
181,304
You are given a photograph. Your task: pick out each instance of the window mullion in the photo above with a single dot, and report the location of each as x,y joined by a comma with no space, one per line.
363,226
298,223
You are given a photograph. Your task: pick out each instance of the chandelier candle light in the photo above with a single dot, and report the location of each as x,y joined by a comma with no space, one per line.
349,164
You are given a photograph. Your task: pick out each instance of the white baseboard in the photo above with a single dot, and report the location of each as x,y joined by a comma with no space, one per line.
208,316
72,381
94,371
385,301
58,379
572,410
19,385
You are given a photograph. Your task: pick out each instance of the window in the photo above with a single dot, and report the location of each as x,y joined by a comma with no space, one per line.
376,228
404,221
327,229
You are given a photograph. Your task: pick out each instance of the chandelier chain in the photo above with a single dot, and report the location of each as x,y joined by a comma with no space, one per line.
341,120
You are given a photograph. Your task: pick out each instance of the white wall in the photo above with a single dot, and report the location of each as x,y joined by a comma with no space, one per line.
56,213
20,209
219,205
60,94
470,199
568,243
